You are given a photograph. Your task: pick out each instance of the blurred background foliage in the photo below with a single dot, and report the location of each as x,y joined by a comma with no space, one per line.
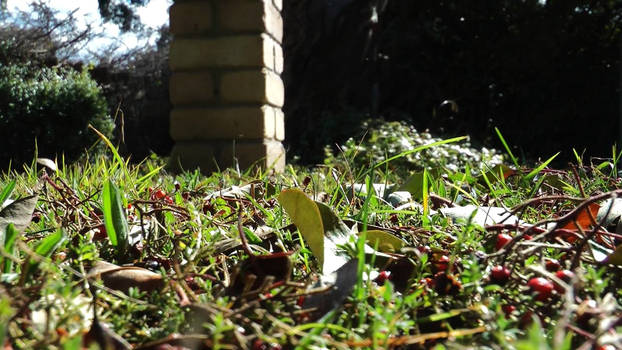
50,91
545,72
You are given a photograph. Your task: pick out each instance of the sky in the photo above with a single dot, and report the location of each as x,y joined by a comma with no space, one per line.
153,15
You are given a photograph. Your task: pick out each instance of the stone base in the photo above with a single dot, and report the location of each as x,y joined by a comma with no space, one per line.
215,156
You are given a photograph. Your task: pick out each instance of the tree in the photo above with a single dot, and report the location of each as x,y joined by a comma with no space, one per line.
122,13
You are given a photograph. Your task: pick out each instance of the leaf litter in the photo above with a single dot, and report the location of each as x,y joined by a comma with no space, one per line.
273,282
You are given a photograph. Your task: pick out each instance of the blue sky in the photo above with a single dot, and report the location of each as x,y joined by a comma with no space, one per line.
153,15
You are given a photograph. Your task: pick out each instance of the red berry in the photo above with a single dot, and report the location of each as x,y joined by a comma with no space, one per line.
607,347
502,240
442,263
158,194
508,309
428,282
259,344
169,200
552,265
564,275
527,237
542,287
383,276
500,274
446,284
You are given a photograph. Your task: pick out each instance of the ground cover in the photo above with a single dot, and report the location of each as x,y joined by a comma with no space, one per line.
395,251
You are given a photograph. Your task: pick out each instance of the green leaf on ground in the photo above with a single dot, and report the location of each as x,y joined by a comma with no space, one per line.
384,241
305,214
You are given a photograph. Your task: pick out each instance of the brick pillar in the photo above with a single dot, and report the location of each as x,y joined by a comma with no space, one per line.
226,90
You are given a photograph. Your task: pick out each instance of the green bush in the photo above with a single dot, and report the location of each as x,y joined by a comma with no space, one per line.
380,140
50,106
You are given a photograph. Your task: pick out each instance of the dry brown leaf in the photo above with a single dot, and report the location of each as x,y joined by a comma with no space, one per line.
123,277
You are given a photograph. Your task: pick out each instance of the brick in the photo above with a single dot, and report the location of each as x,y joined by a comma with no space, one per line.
193,155
273,54
213,156
253,87
278,4
191,87
190,17
279,124
268,154
256,122
254,16
273,21
228,51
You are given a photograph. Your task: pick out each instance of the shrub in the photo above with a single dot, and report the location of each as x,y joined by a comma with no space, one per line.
52,106
381,140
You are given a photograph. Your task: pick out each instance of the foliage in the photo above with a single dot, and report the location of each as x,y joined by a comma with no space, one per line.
41,36
516,65
380,140
48,110
136,88
122,13
230,260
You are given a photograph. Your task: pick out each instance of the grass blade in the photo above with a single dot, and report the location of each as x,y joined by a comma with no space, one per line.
9,244
50,243
114,217
6,191
535,171
46,247
113,149
507,148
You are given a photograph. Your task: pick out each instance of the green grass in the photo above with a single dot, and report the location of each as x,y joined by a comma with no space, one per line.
184,228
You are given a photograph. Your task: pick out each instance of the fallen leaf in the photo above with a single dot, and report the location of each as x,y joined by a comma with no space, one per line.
584,218
385,241
361,189
178,341
611,216
48,163
494,174
414,184
481,216
344,279
305,214
123,277
335,234
104,337
19,213
276,265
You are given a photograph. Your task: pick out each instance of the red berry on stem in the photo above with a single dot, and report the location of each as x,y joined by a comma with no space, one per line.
500,274
541,286
383,276
442,263
158,194
552,265
508,309
607,347
502,240
564,275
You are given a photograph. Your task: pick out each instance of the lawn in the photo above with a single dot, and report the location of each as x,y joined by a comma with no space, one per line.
403,242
